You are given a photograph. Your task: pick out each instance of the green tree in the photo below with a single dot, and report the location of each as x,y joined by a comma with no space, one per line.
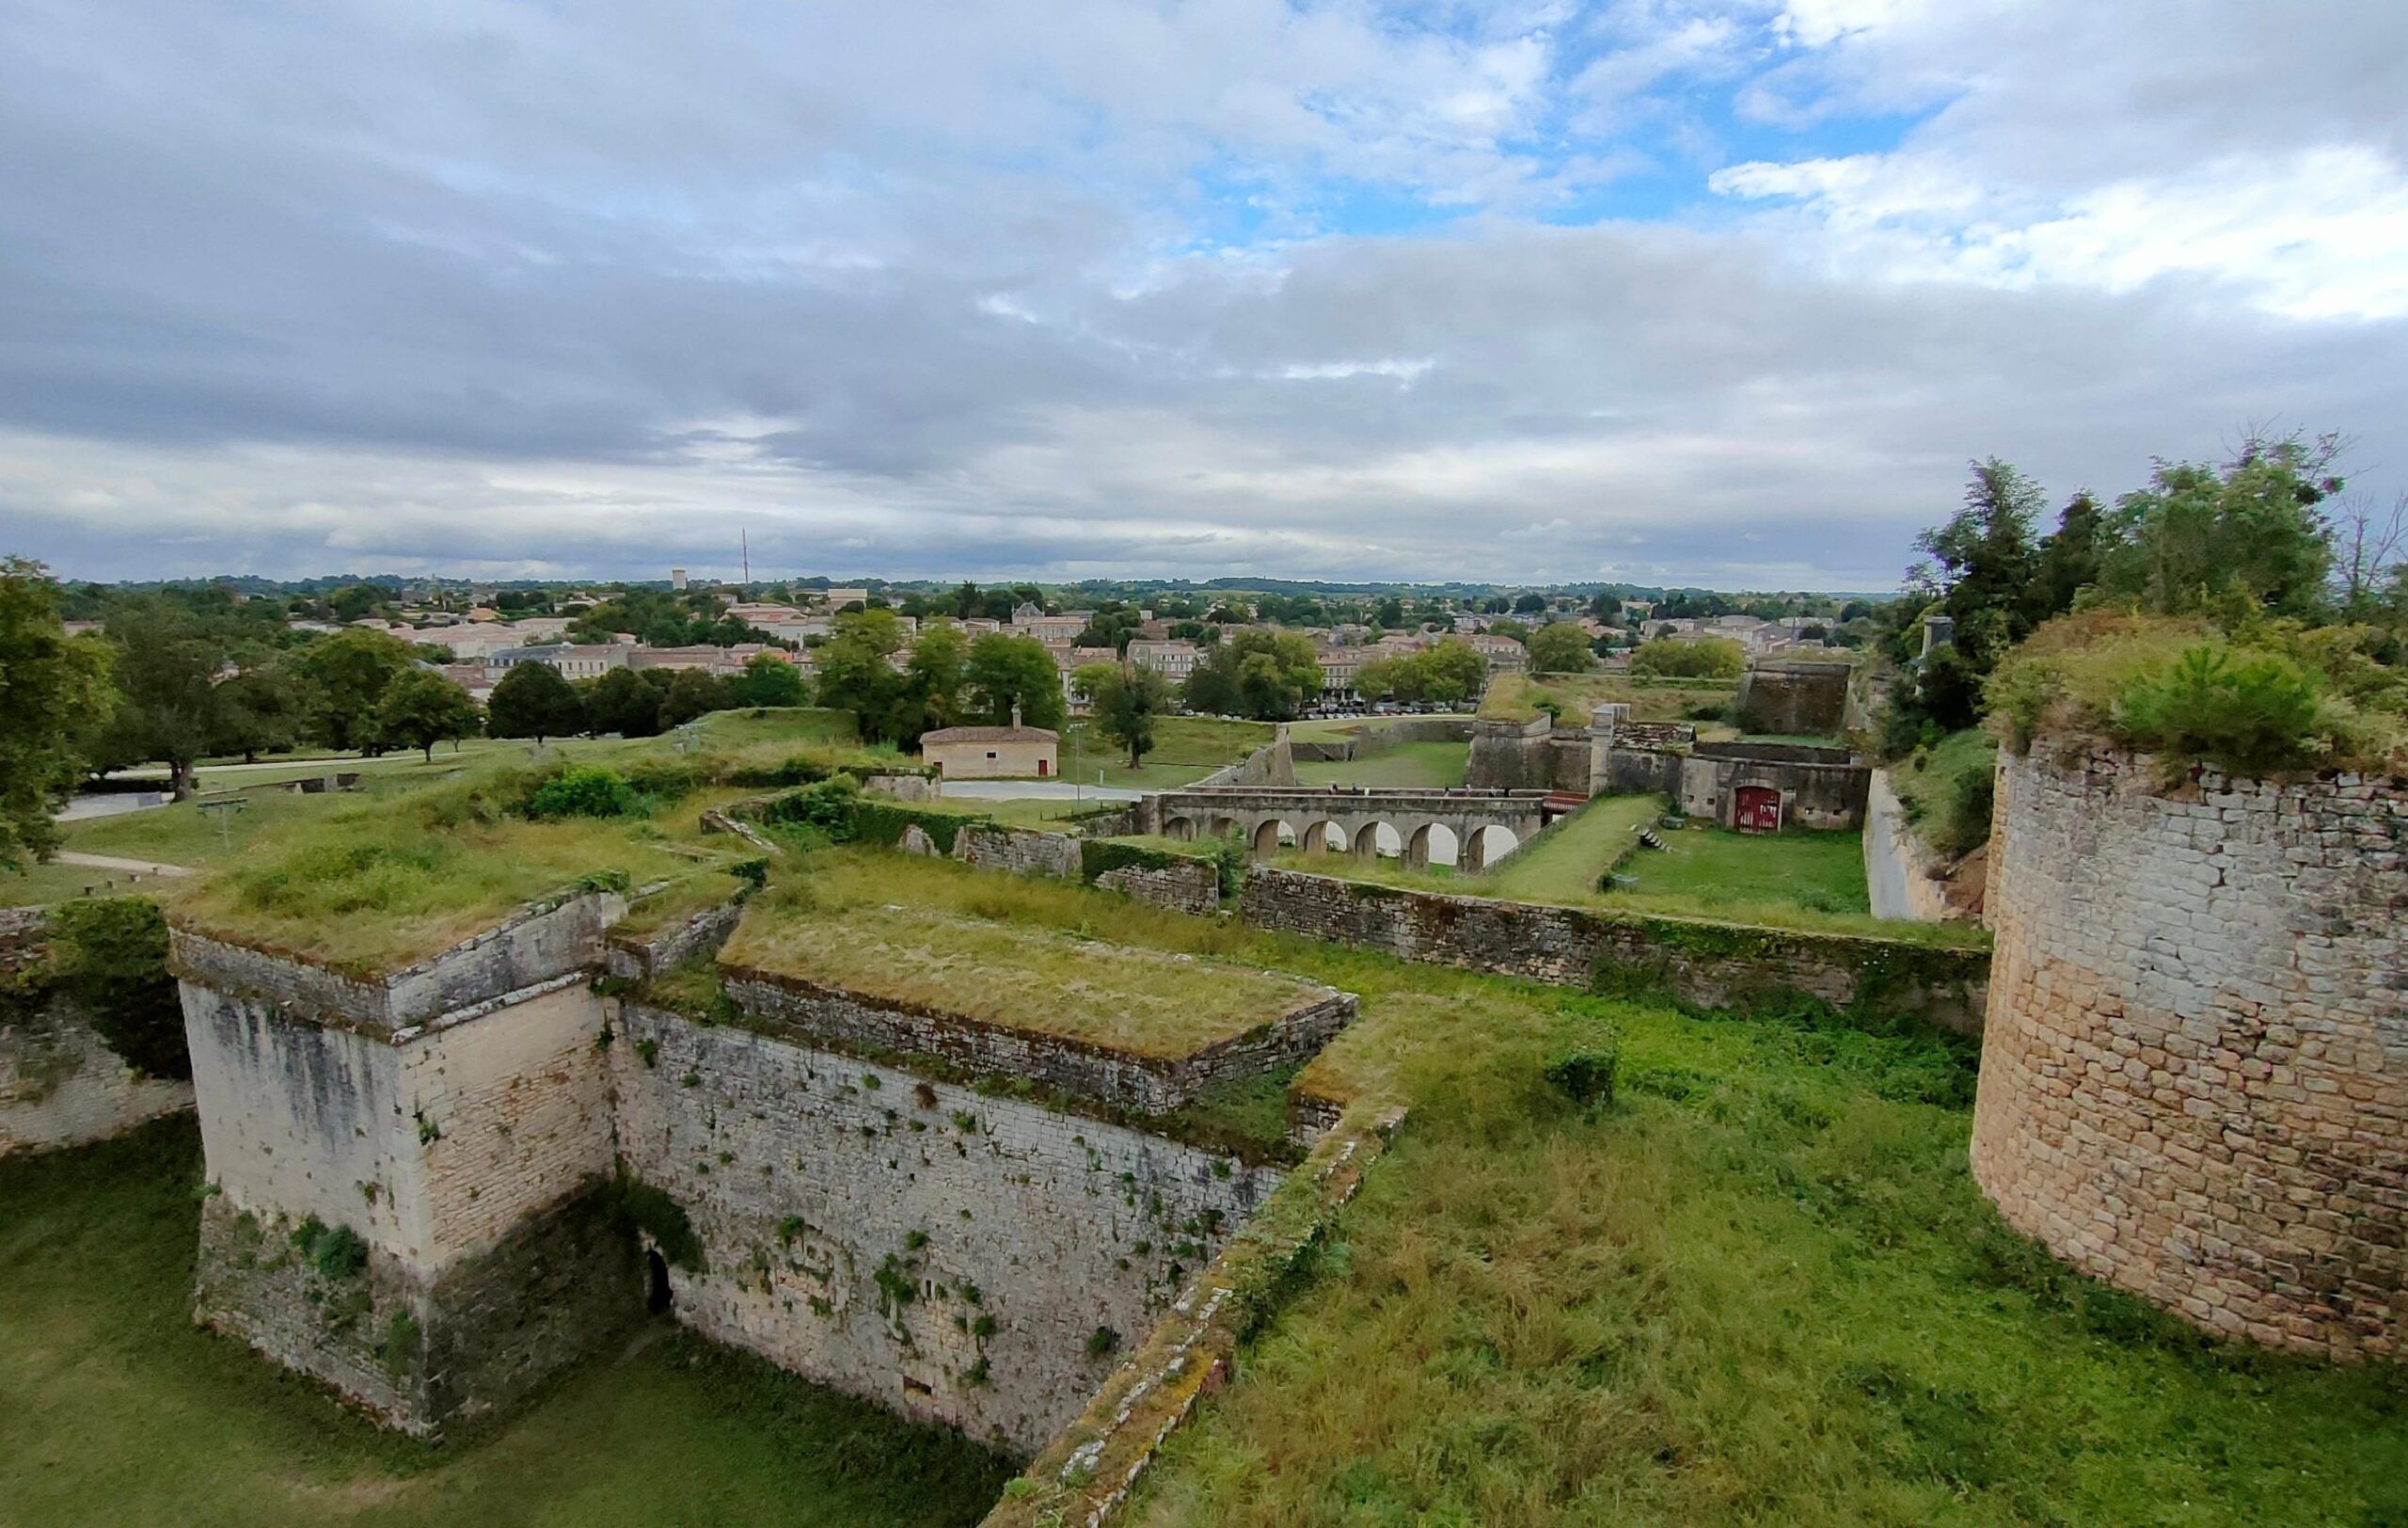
533,701
421,708
1004,671
1126,701
929,691
346,675
621,702
1452,672
1211,687
1530,604
2071,558
263,709
694,692
2253,526
54,693
1276,673
768,680
1986,562
1561,648
168,705
1703,658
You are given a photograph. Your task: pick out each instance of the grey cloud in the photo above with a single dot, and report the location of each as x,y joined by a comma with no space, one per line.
591,291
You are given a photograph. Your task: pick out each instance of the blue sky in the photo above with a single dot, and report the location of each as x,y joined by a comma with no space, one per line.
1659,289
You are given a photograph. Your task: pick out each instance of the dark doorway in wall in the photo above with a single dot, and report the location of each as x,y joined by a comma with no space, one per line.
658,1299
1758,811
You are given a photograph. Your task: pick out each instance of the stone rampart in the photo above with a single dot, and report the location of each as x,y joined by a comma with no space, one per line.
60,1084
1184,885
1794,696
1021,850
1820,788
1709,964
2194,1079
1115,1078
632,957
547,940
972,1260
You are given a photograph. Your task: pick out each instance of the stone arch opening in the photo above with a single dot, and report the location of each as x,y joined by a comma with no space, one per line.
1484,846
1271,834
1433,843
658,1297
1323,836
1373,839
1180,827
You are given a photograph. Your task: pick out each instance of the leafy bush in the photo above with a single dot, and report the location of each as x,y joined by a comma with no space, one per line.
1699,658
1586,1076
586,791
335,1251
2251,714
110,957
643,1208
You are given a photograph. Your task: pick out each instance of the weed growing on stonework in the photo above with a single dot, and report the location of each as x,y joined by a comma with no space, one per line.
335,1251
1101,1341
648,1051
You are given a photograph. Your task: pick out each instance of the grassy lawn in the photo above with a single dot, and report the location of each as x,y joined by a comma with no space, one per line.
1715,872
1186,748
1419,766
840,933
115,1409
1565,864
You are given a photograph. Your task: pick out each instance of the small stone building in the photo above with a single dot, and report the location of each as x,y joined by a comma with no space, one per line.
993,753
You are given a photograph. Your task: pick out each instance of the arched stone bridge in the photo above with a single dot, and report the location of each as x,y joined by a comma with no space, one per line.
1484,825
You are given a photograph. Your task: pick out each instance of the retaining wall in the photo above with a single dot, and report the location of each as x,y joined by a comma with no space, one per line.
1116,1079
1712,965
2194,1080
946,1253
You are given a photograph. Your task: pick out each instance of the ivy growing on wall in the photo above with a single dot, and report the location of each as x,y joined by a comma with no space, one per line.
108,957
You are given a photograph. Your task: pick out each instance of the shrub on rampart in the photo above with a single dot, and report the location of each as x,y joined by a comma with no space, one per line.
588,791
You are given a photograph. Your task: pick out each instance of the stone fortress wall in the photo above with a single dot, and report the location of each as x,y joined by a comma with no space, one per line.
944,1253
2194,1072
958,1257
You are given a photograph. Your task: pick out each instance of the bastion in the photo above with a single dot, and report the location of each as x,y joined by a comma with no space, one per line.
2194,1068
933,1161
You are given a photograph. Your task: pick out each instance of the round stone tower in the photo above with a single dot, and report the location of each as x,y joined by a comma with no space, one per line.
2194,1070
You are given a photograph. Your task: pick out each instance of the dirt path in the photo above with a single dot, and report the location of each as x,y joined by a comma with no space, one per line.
110,862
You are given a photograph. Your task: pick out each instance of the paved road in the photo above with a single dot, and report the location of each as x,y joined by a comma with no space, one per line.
1033,790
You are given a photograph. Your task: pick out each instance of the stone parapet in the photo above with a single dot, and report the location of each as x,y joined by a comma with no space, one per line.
1116,1079
2195,1079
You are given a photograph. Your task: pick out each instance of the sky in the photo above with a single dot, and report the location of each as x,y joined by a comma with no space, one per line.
1714,293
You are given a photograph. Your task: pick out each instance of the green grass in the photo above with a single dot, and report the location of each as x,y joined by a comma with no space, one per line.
1186,748
46,883
1565,863
1760,1288
372,886
1945,789
1715,872
1418,766
1514,697
1004,974
115,1409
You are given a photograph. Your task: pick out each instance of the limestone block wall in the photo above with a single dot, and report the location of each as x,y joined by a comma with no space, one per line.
946,1253
1021,850
1184,886
1712,965
1116,1078
462,1152
2194,1079
1796,696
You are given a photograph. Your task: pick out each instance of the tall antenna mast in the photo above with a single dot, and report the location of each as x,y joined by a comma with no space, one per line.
744,540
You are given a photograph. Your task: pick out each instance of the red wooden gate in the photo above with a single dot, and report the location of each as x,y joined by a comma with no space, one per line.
1759,810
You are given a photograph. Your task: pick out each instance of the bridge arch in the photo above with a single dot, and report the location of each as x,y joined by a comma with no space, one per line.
1318,837
1178,827
1375,838
1484,846
1433,843
1271,834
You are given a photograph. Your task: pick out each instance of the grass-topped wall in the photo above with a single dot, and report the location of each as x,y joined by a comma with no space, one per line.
1708,965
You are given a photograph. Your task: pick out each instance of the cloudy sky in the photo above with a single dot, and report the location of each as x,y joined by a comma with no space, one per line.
1712,292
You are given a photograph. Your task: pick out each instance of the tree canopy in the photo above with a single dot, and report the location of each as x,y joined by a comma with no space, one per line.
53,690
